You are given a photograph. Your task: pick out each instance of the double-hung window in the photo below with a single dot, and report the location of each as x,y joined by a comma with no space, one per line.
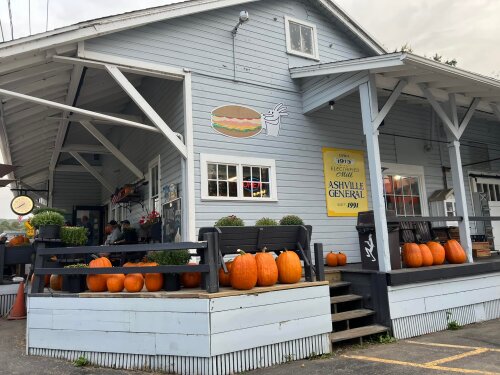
301,38
237,178
154,185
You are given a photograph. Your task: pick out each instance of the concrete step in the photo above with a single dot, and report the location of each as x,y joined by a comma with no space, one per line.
357,332
345,298
351,314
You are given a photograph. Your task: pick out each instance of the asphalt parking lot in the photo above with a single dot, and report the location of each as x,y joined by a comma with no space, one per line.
474,349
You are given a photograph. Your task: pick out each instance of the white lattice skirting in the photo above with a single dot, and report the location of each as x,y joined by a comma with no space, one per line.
421,324
236,362
6,302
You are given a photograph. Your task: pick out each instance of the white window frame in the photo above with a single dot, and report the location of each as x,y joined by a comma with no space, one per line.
151,165
412,171
315,44
239,162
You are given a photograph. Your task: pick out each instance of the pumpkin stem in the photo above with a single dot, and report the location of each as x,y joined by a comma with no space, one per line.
94,256
240,251
264,249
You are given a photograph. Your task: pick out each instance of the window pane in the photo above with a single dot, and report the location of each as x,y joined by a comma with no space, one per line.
295,36
247,189
417,207
256,174
398,186
414,186
265,174
388,185
406,185
212,188
266,191
233,189
307,40
231,175
212,171
391,203
400,210
222,169
223,189
408,206
246,174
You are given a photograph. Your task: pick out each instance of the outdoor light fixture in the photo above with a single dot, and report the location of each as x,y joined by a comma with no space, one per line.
244,17
332,105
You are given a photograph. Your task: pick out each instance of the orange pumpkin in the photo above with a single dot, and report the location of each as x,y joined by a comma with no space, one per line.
100,286
412,255
341,259
224,278
46,280
18,241
243,274
331,259
134,282
427,258
267,270
115,283
55,282
437,251
96,283
191,279
289,267
454,252
153,281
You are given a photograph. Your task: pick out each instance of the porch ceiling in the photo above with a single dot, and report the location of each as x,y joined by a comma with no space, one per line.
419,73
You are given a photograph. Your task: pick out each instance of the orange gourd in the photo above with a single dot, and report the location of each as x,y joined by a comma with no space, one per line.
267,270
46,280
437,251
289,267
331,259
134,282
243,271
225,278
427,259
191,279
115,283
454,252
55,282
96,283
19,241
341,259
412,255
153,281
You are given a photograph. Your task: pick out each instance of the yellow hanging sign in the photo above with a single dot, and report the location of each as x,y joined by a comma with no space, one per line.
345,181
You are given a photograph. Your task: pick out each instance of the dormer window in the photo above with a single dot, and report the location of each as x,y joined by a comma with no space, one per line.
301,38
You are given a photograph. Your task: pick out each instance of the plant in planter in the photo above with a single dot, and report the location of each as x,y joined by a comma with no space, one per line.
171,281
266,222
39,210
74,283
291,220
74,236
48,223
230,221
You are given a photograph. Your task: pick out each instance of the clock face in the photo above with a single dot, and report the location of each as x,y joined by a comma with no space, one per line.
22,205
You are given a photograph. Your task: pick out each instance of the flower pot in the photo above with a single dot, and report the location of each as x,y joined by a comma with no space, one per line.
74,283
49,231
171,282
156,231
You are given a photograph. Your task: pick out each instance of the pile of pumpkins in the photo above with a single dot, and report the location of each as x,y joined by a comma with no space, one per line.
433,253
133,282
247,271
334,260
19,241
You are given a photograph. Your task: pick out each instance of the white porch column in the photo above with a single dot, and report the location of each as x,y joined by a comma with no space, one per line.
369,112
459,191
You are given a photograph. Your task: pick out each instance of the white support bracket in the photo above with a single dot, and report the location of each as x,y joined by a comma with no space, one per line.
146,108
114,150
468,116
389,104
93,172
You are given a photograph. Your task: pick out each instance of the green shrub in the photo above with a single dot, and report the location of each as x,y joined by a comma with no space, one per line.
170,258
48,209
230,221
78,265
81,362
265,221
47,218
291,220
74,236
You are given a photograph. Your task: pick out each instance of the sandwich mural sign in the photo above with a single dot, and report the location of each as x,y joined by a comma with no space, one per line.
345,181
238,121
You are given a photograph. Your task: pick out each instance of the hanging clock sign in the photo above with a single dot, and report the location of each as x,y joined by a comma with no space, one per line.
22,205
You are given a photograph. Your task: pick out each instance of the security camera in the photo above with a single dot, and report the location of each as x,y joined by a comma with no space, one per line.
244,17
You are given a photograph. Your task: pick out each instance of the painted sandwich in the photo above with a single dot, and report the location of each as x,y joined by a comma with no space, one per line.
237,121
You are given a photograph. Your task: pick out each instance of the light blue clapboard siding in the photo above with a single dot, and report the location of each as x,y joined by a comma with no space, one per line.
75,189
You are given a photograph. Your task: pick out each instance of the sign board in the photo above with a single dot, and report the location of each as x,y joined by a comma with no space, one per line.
345,181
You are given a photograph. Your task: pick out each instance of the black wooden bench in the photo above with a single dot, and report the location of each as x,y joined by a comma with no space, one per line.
274,238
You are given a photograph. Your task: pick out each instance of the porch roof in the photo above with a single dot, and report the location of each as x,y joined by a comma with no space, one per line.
419,74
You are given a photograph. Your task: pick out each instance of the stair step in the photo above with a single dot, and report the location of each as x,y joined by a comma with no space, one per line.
357,332
345,298
339,284
351,314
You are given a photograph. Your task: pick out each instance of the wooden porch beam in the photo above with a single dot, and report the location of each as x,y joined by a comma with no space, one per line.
389,103
85,149
114,150
93,172
147,109
67,168
468,116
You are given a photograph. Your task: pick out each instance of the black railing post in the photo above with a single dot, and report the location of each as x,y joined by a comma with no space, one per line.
319,262
38,280
212,259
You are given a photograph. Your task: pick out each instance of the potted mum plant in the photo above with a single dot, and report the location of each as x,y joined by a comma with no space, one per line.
74,236
171,281
49,224
75,283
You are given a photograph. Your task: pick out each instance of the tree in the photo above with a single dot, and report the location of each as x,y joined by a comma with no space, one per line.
439,58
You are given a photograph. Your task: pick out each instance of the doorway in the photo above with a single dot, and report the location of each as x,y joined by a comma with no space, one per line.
95,216
490,188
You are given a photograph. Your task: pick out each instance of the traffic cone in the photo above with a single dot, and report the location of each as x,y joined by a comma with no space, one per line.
18,310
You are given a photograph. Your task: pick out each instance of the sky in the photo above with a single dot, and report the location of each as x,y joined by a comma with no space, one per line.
467,30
